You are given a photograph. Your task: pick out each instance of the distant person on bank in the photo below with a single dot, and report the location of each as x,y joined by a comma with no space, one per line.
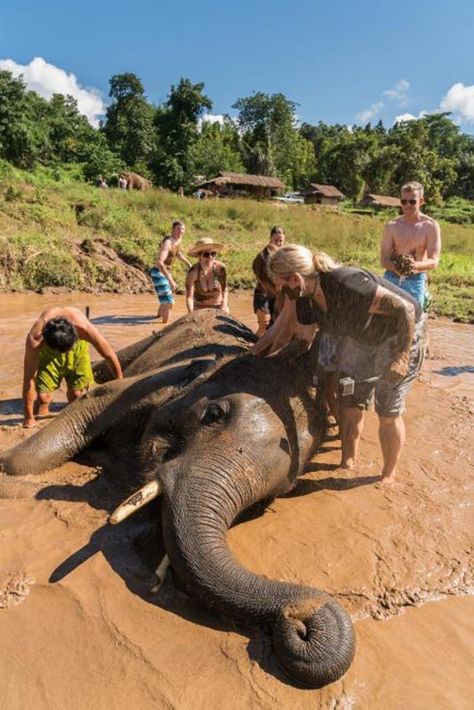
206,281
411,245
264,295
57,348
382,330
163,281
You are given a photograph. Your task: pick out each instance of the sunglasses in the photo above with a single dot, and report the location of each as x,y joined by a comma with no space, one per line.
208,254
408,202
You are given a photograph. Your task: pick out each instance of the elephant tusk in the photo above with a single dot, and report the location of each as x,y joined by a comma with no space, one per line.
160,574
136,501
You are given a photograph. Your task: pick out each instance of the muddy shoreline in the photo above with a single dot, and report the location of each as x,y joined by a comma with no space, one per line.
80,628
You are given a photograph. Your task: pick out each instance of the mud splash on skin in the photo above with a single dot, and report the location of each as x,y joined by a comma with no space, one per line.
398,558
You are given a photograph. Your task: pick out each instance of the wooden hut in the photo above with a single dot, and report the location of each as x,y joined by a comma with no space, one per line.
382,202
322,195
228,184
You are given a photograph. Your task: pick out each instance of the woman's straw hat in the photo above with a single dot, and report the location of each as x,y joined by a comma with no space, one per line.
205,244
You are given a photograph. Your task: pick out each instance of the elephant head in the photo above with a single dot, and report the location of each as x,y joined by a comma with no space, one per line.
240,437
236,432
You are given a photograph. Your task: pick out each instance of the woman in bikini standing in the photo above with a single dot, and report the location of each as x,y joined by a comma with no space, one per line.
206,281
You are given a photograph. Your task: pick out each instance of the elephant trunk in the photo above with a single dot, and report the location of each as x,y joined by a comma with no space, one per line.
313,636
64,436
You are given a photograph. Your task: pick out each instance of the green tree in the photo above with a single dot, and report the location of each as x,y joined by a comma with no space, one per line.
177,126
217,148
271,141
343,156
129,120
23,133
417,160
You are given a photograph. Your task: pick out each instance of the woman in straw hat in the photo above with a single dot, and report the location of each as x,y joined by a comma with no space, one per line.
206,281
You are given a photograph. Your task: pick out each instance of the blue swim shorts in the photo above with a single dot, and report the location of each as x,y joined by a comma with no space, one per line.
415,284
162,286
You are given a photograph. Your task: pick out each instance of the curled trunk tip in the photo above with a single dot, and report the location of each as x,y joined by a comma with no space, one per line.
314,641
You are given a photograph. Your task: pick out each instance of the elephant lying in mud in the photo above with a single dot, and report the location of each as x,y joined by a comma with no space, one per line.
215,430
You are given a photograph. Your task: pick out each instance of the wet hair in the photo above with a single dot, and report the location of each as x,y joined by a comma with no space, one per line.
59,334
177,223
413,187
296,259
276,230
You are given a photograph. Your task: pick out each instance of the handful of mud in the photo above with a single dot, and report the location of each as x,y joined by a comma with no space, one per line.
403,263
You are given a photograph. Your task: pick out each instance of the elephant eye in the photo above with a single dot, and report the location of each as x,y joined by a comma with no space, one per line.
215,412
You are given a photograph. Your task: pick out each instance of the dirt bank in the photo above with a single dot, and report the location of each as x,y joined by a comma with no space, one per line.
80,629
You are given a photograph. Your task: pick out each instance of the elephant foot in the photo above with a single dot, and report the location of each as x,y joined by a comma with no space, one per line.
314,641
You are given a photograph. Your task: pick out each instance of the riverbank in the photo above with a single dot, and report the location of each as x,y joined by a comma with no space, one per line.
398,558
74,236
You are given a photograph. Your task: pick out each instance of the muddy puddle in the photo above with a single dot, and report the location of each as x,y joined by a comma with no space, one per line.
78,630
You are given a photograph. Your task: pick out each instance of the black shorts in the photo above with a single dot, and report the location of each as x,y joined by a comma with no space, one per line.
262,301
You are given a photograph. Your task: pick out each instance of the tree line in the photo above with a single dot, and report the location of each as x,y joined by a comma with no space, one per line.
174,147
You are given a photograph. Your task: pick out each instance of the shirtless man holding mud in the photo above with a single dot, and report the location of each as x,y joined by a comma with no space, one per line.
411,245
57,348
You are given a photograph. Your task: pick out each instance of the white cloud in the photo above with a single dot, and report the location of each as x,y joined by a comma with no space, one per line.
460,101
46,79
409,117
213,118
369,113
403,117
399,92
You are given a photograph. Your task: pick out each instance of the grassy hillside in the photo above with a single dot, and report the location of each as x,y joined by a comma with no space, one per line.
67,234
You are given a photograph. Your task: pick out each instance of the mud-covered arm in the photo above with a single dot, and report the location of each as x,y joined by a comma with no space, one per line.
402,313
225,288
190,281
386,250
433,251
181,257
285,328
30,369
89,332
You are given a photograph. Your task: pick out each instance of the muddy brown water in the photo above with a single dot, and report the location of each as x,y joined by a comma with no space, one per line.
78,631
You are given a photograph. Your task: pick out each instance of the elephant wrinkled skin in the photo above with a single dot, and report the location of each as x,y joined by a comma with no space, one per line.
219,430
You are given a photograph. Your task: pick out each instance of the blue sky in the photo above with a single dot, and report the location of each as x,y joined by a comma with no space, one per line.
343,62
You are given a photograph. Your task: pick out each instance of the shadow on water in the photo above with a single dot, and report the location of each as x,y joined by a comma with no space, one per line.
122,320
453,371
9,407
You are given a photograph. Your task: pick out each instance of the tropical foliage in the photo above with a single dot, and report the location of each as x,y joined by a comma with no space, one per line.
174,145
